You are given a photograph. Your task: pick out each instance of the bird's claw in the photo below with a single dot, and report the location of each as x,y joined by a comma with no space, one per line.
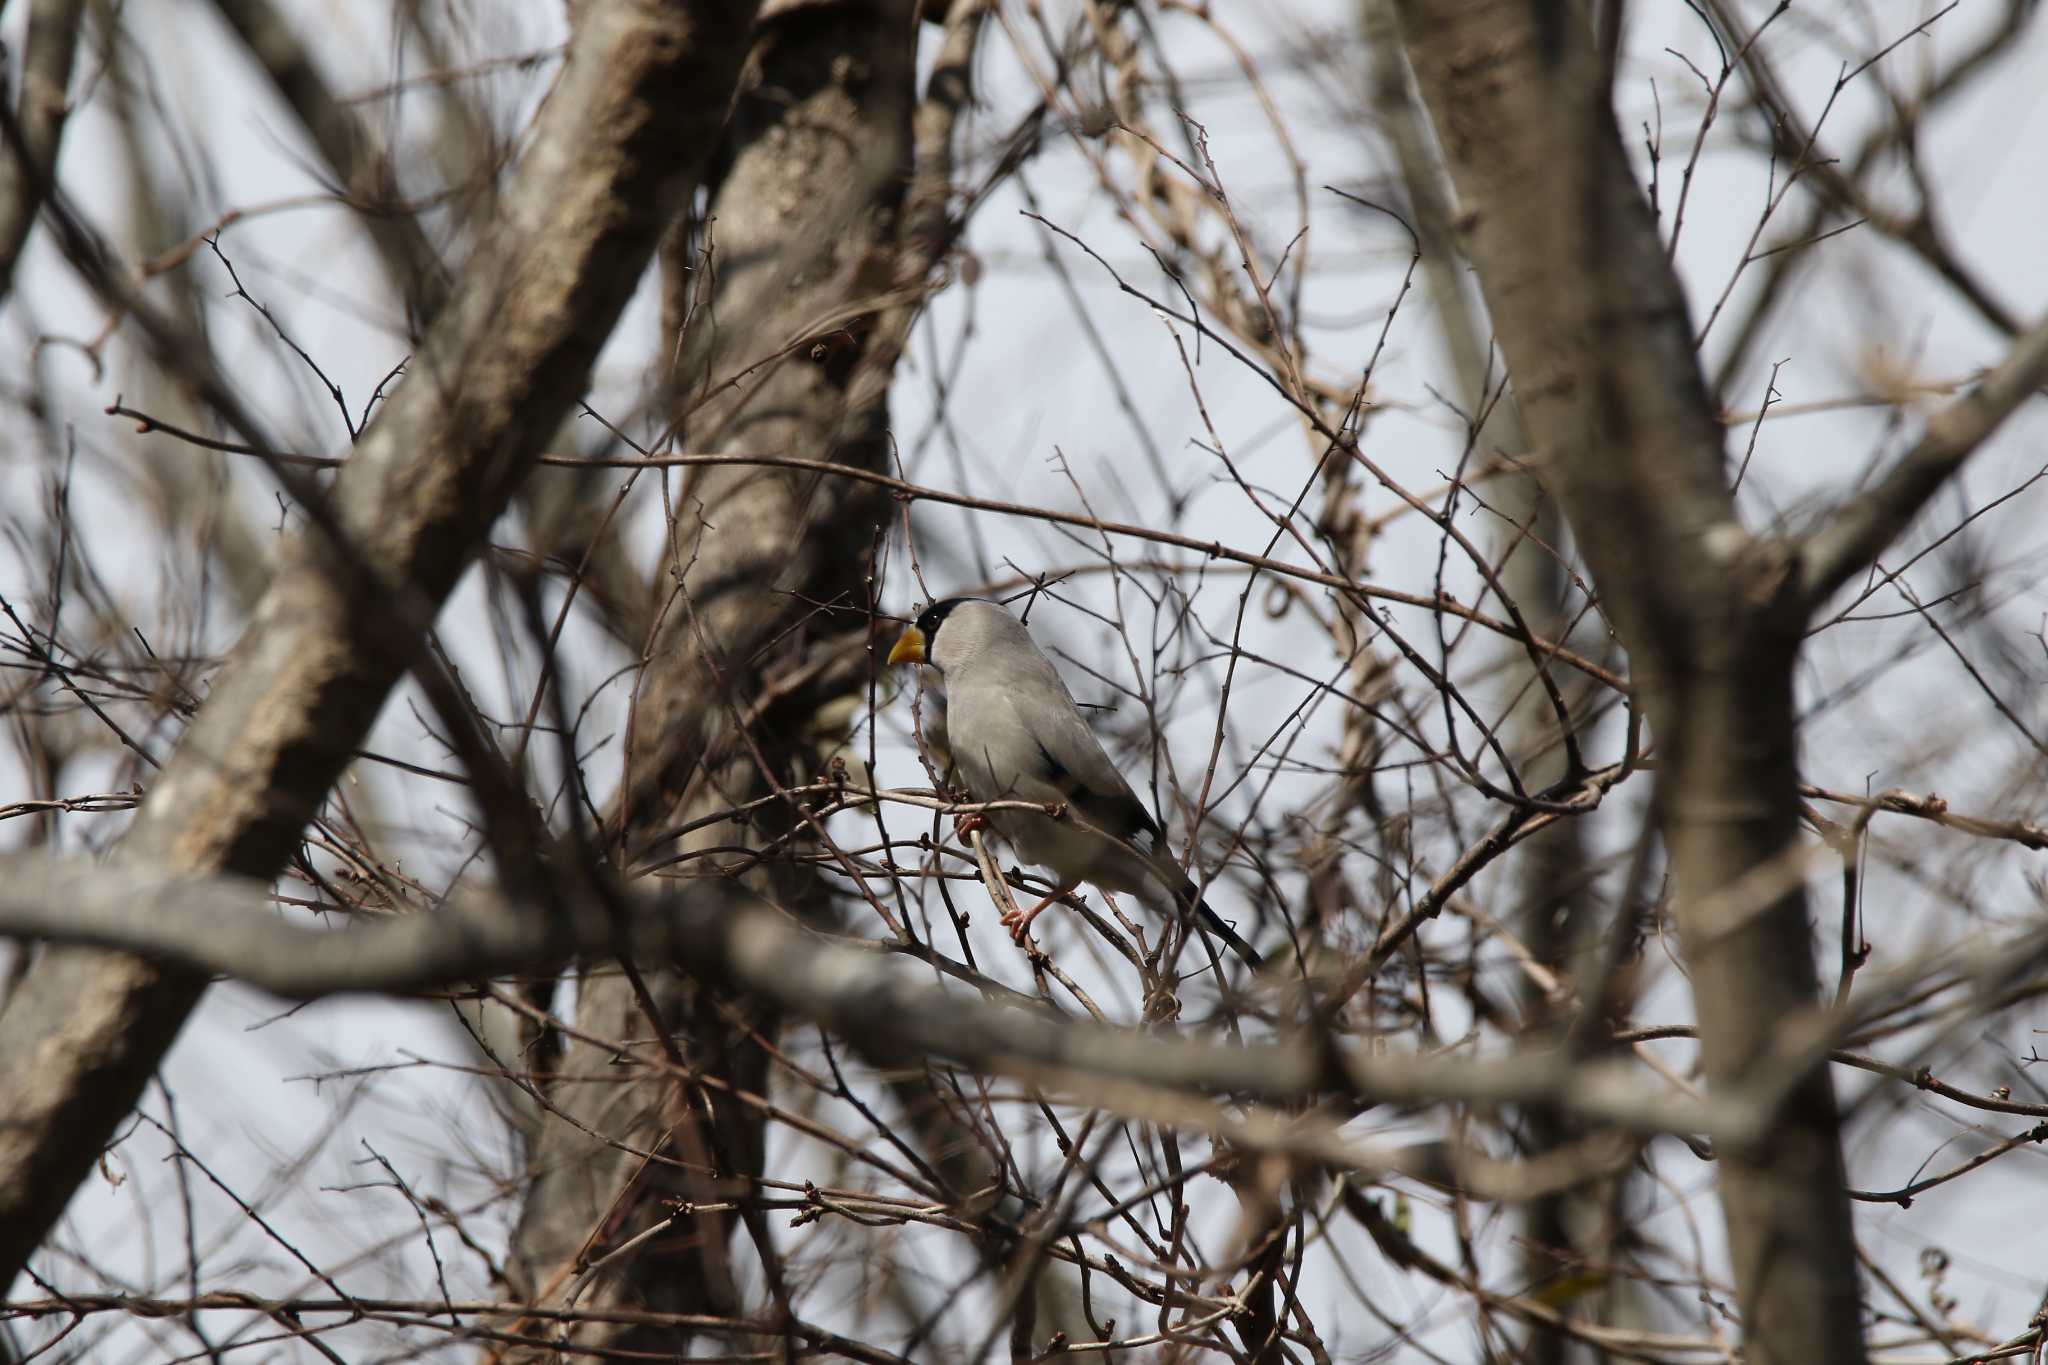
1018,922
969,822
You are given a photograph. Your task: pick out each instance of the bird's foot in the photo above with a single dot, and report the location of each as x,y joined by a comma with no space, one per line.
969,822
1018,922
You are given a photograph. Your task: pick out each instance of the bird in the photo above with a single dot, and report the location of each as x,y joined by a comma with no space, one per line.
1015,734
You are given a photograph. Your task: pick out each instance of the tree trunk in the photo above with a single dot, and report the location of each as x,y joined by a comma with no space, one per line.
1598,340
776,295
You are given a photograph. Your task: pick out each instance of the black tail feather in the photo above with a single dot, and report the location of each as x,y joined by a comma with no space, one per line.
1213,922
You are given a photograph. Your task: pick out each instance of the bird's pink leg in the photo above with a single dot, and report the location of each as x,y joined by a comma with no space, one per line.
967,823
1018,921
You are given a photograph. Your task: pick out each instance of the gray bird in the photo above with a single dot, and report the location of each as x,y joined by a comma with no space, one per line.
1015,735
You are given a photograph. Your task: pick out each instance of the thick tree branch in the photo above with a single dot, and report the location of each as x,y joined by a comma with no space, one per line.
623,136
768,361
720,933
1852,539
565,513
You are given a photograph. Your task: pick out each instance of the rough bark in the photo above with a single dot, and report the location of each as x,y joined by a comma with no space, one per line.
772,301
799,250
1595,331
646,86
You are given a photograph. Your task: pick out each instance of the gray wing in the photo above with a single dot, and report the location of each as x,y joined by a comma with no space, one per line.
1072,762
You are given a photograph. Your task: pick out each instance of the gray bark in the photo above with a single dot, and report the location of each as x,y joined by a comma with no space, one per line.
886,1011
774,304
624,135
1596,334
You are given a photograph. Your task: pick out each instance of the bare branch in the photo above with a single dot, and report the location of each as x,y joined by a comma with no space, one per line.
1594,326
1508,737
913,492
1852,539
27,163
719,932
350,148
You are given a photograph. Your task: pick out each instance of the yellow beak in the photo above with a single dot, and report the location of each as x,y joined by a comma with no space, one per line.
909,648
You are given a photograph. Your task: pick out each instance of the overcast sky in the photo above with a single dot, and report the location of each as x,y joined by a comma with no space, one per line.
1033,415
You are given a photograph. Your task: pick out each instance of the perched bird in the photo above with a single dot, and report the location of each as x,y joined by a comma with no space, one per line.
1015,735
